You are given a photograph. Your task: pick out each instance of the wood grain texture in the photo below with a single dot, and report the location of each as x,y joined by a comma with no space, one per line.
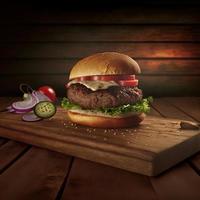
79,50
195,162
165,41
154,112
166,109
63,66
129,149
172,40
2,141
5,102
181,182
151,85
9,152
132,186
188,105
109,15
88,181
174,179
39,174
100,33
177,183
191,107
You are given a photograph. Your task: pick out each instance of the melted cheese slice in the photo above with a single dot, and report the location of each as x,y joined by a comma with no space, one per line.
95,85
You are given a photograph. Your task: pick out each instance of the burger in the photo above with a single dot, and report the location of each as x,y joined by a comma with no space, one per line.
102,91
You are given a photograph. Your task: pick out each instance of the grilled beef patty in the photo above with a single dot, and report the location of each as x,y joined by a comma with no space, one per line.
112,97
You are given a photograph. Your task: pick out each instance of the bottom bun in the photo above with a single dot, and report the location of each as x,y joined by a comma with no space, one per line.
105,122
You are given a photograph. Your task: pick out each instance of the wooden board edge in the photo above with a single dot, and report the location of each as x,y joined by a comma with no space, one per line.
160,164
142,167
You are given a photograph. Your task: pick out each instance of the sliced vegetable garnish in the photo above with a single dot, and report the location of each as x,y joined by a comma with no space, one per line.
25,88
26,105
40,96
31,117
105,77
49,92
45,109
131,83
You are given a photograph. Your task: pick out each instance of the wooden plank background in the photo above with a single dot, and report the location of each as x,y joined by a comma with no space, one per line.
39,46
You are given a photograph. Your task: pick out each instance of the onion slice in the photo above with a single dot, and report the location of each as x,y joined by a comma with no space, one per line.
25,105
10,110
19,112
9,107
30,117
40,96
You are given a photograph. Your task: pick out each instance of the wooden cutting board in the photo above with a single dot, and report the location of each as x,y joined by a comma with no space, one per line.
149,149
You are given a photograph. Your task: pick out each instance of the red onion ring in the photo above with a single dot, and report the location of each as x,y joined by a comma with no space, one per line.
30,117
26,105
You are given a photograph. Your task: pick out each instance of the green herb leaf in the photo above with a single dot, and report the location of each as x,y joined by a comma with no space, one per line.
68,105
142,106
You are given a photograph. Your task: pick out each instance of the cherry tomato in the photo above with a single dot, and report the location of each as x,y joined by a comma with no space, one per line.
48,91
131,83
106,77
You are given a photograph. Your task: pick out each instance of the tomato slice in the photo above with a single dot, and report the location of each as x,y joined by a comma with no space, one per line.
84,78
106,77
131,83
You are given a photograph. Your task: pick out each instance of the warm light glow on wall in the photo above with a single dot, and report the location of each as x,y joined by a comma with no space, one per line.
167,53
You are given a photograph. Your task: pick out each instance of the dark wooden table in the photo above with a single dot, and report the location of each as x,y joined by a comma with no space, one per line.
28,172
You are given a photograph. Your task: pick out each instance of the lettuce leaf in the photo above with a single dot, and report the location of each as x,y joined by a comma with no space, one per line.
139,107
